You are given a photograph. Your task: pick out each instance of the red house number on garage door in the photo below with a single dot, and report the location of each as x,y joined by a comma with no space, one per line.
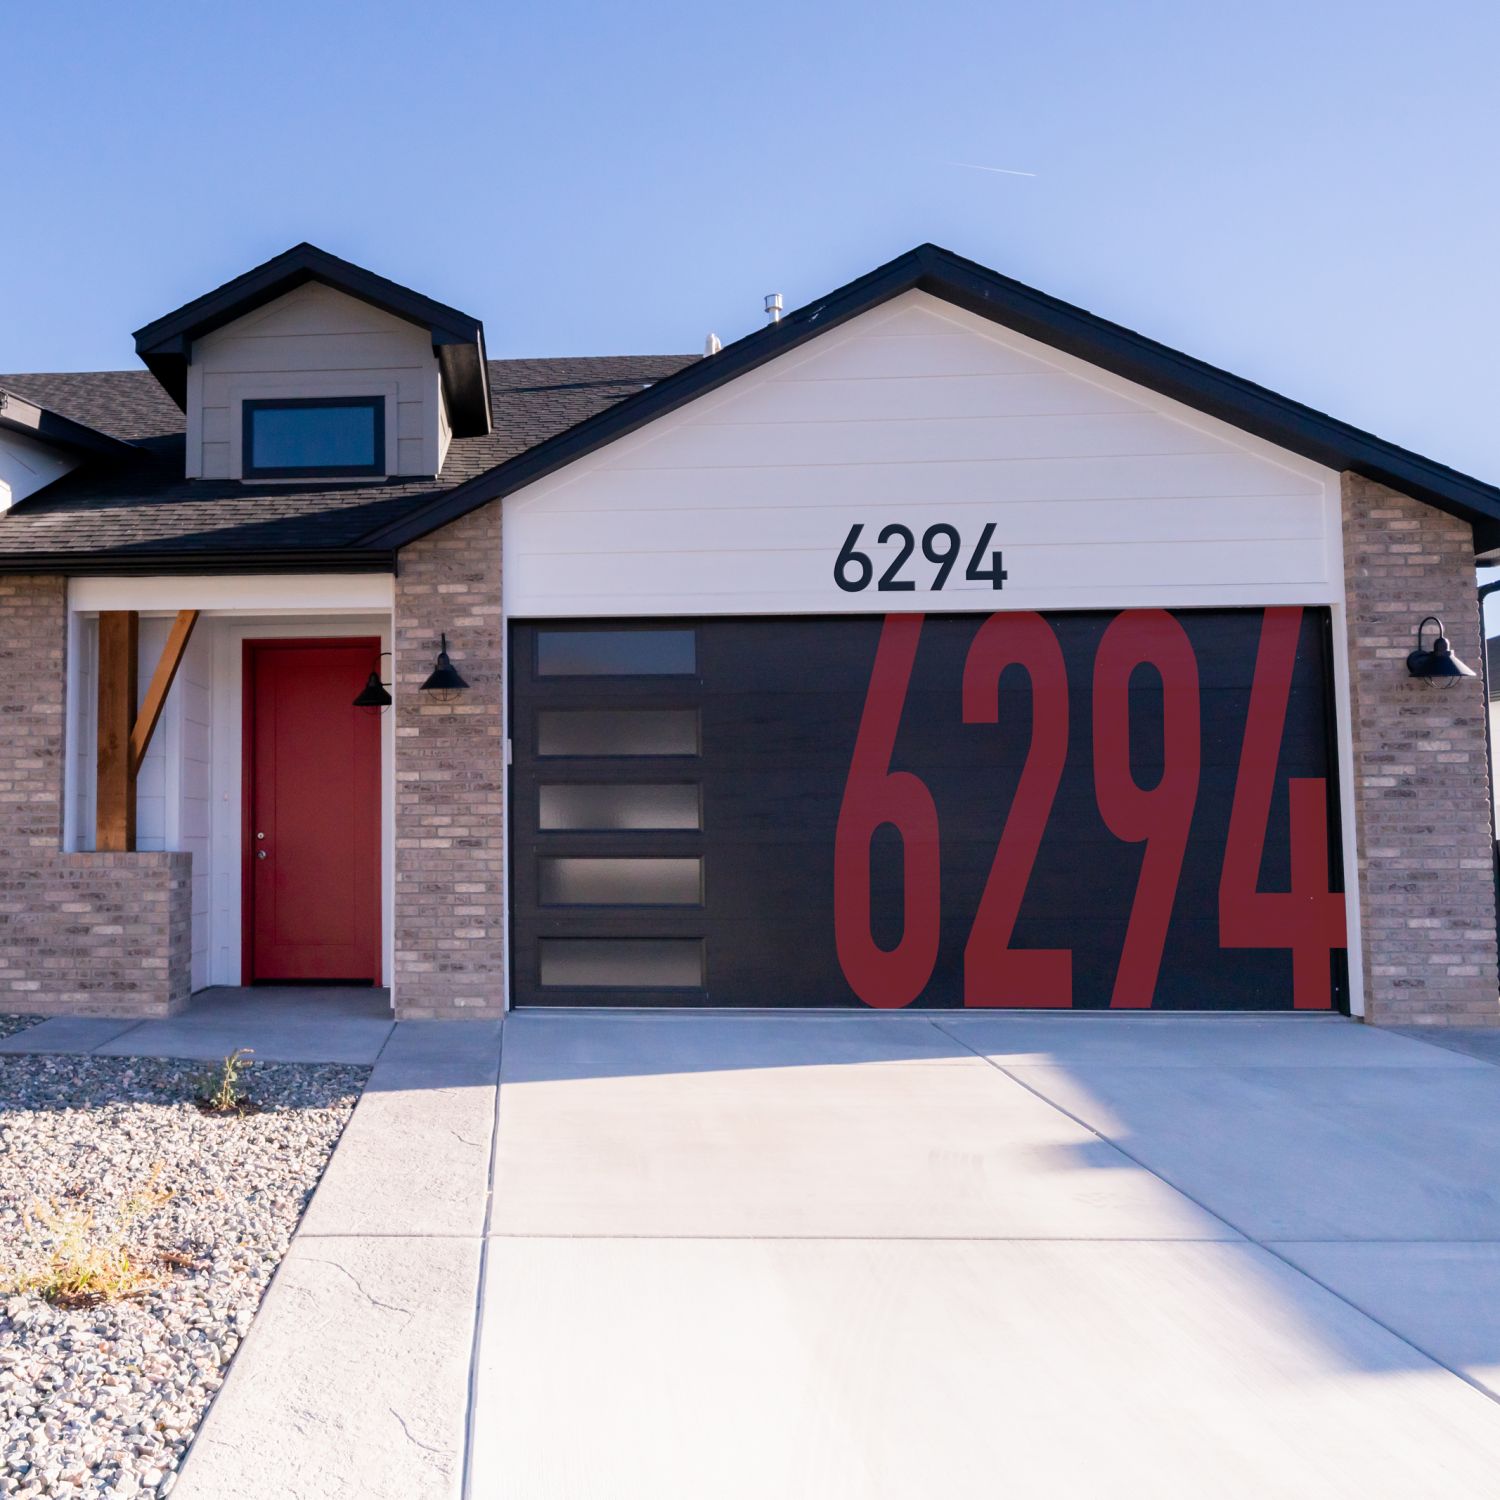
1308,919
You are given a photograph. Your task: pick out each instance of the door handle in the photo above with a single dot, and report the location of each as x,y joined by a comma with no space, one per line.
260,853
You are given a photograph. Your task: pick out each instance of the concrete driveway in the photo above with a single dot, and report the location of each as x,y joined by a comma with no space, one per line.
880,1256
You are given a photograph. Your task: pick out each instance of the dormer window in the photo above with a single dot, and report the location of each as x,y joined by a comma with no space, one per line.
320,437
311,368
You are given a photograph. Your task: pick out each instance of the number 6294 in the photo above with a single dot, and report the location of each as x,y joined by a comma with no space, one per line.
941,546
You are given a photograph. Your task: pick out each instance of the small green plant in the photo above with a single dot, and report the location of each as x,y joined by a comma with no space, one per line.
81,1267
221,1092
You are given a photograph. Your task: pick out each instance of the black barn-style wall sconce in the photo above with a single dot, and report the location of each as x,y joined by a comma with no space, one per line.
1436,663
374,694
444,683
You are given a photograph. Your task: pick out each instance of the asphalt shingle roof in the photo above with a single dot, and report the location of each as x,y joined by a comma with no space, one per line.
145,505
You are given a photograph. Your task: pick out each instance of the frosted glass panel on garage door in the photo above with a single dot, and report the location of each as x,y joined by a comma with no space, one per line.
621,882
621,963
643,806
618,731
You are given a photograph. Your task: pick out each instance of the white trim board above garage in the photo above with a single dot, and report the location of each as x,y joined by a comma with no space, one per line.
917,414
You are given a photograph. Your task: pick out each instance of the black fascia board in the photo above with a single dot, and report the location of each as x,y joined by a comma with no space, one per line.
17,414
1240,403
165,344
176,561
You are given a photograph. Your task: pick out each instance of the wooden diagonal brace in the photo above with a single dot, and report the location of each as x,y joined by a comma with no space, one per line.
161,684
124,734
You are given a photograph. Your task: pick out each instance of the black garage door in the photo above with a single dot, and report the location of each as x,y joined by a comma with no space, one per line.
1076,810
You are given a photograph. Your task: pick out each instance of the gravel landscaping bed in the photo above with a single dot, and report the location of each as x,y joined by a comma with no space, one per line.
10,1025
103,1399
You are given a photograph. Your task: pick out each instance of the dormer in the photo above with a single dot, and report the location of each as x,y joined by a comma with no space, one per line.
310,369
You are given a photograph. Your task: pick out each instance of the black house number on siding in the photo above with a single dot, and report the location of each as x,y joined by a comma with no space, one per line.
941,546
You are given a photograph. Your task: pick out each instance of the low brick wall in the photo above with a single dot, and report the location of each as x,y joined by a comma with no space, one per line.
96,934
1421,779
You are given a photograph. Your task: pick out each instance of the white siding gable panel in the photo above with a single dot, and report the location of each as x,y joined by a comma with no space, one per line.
27,466
1102,494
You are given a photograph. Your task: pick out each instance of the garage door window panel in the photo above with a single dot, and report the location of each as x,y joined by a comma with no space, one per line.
611,732
609,881
616,653
621,963
586,807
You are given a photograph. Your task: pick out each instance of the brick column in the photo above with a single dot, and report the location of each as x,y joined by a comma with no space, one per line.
1421,792
450,805
33,688
107,934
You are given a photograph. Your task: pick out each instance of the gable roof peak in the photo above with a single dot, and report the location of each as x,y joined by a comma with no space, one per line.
1022,309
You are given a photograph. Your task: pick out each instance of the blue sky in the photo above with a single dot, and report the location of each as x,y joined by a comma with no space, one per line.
1302,193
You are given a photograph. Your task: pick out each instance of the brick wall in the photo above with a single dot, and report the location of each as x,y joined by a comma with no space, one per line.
82,933
1421,794
96,934
450,823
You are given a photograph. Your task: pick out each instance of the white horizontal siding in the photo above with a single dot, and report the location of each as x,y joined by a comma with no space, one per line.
918,398
1101,493
1210,478
1272,518
921,345
266,593
194,806
404,347
714,582
27,466
935,440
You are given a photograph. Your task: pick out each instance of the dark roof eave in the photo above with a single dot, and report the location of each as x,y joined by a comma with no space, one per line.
465,375
179,561
17,414
1252,408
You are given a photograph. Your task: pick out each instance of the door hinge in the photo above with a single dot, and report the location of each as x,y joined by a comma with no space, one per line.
509,751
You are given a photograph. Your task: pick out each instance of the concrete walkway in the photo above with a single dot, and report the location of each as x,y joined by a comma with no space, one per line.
295,1023
874,1256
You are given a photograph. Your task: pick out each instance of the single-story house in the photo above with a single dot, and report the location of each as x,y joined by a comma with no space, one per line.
937,644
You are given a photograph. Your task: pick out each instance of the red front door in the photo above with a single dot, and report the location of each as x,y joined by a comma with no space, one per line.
312,812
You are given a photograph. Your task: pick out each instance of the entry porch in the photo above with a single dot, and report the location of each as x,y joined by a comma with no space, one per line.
207,806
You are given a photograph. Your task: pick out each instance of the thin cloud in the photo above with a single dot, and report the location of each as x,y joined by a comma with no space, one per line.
974,166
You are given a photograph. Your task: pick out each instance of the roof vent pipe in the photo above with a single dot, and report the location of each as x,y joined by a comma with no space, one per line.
711,345
773,306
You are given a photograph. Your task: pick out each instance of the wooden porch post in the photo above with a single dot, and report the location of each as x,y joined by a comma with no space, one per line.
119,635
